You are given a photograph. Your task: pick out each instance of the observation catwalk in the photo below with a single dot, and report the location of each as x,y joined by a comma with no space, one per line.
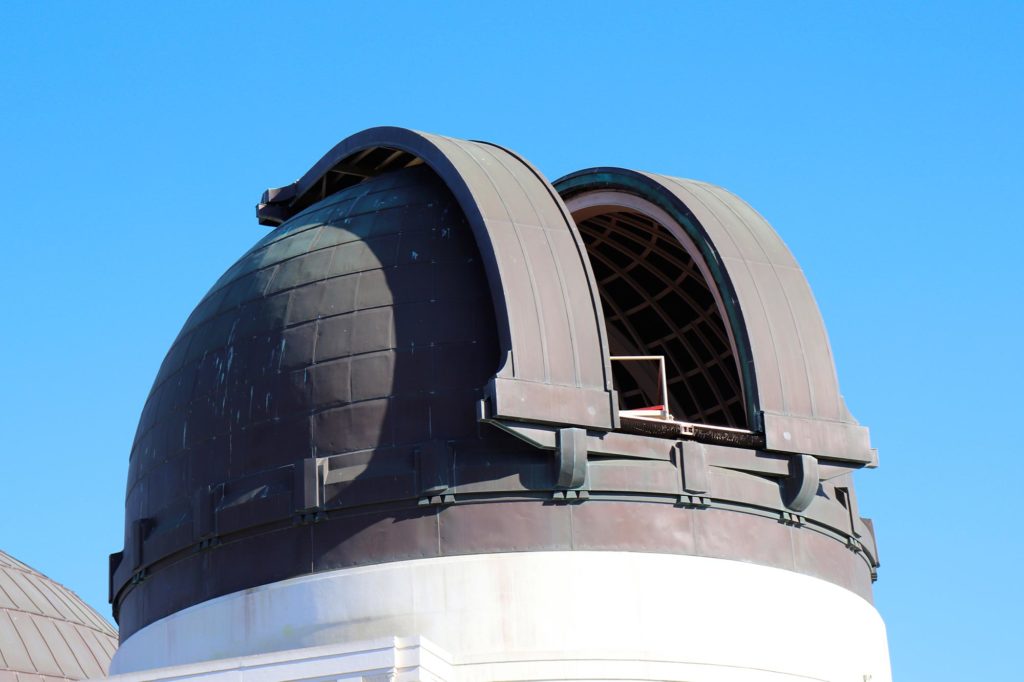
449,421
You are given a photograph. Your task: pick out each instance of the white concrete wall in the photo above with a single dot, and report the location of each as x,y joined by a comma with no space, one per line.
394,659
545,616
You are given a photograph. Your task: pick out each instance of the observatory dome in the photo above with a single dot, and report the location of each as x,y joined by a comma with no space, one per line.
46,632
445,397
361,328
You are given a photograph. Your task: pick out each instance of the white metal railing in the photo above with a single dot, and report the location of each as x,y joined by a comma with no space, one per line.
663,413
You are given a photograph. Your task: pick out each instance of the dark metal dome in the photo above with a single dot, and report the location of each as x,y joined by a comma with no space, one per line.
363,325
46,631
418,362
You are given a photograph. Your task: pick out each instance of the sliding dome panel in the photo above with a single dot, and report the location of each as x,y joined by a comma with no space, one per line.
778,352
553,347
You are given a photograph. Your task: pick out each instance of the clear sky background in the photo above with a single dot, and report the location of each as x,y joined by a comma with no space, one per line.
883,141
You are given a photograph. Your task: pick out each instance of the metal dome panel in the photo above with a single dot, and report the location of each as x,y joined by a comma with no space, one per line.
46,632
779,339
549,323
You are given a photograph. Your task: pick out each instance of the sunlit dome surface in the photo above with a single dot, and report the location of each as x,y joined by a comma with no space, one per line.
46,631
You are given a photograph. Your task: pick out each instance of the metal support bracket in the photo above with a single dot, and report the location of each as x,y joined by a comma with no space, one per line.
434,468
570,495
693,465
436,500
204,513
308,487
694,501
308,491
140,529
800,487
571,457
790,519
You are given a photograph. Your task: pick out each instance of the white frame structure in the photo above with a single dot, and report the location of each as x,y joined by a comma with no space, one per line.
665,414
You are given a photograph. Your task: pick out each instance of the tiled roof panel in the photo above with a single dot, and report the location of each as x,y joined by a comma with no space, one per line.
47,633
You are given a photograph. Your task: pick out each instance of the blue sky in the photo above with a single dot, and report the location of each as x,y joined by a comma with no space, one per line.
884,142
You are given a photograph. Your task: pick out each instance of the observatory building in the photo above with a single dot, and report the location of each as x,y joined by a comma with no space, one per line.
449,421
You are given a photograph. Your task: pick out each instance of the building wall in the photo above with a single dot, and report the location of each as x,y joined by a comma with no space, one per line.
545,615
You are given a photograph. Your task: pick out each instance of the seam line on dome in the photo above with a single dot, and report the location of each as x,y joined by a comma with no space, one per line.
87,626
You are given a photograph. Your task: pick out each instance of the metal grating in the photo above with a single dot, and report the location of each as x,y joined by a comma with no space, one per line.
656,302
353,170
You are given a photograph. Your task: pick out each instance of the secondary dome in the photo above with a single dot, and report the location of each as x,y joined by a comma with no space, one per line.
46,631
